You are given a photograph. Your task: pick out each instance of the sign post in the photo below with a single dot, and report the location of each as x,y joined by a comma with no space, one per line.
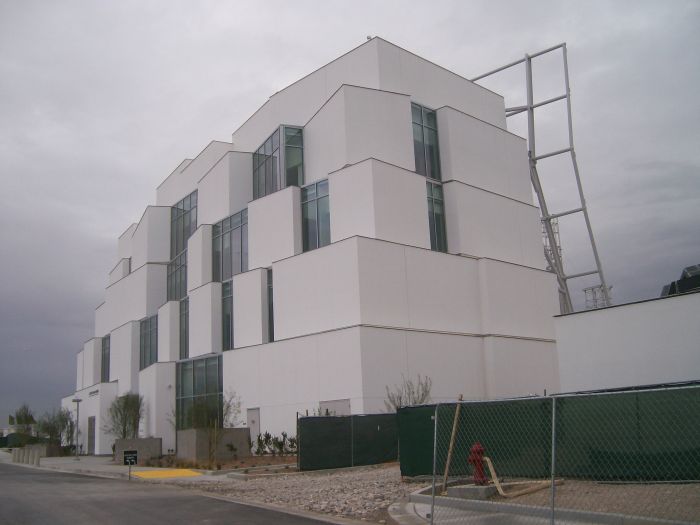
130,458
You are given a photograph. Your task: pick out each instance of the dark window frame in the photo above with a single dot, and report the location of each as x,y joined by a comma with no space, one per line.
148,341
228,229
424,124
184,328
314,199
105,355
436,216
199,381
273,161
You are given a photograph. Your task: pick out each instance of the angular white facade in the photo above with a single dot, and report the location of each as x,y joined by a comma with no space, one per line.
372,221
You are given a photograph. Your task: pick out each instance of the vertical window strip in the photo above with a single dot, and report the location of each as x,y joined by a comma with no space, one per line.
270,308
148,341
425,141
227,315
436,217
104,369
315,212
184,328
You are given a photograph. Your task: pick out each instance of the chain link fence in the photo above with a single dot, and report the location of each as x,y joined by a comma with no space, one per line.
615,458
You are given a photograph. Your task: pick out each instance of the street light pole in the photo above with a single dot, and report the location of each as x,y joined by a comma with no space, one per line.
77,425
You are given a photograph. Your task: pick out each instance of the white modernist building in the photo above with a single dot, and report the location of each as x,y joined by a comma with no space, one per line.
372,221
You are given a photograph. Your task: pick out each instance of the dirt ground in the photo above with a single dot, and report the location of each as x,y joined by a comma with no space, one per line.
258,461
677,501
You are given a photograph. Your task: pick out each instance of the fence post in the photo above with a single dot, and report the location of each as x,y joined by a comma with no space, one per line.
554,454
432,498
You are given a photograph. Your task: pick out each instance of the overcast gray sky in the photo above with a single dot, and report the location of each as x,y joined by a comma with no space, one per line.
99,101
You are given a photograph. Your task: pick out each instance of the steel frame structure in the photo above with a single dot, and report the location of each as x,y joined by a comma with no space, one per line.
553,256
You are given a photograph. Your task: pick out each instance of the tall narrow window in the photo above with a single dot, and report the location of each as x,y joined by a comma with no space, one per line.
199,393
436,217
270,308
227,315
183,223
230,246
425,141
148,341
315,214
184,328
279,162
104,371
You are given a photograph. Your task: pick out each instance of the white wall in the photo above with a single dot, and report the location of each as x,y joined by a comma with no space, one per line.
151,240
124,356
205,320
136,296
92,361
632,344
483,155
250,318
199,257
96,401
183,180
122,269
124,242
226,188
274,227
379,200
169,331
157,386
483,224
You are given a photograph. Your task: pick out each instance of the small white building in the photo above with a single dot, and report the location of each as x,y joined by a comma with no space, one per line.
372,221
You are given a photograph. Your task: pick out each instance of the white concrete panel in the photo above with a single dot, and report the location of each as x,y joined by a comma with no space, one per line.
482,224
199,257
124,356
151,240
379,200
516,300
454,363
169,331
250,308
124,242
96,401
519,367
483,155
274,227
325,140
295,104
205,320
92,359
631,344
184,179
157,386
434,86
307,370
226,188
120,271
79,361
317,290
136,296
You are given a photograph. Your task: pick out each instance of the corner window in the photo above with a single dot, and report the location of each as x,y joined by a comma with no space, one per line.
436,217
227,315
148,342
315,215
279,162
230,246
425,141
183,223
104,371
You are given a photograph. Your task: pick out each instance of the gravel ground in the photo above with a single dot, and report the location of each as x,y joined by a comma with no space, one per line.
362,494
655,500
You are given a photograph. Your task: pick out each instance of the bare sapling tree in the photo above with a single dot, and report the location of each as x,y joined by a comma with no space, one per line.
124,416
208,416
408,393
56,426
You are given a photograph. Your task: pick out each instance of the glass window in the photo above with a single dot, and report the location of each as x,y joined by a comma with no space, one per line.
104,372
436,217
148,339
270,308
315,214
227,315
425,141
279,162
177,277
199,392
230,246
184,328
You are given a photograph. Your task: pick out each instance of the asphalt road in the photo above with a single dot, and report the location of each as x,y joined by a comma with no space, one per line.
32,496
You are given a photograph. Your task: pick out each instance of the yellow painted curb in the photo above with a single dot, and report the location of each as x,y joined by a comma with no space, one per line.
166,473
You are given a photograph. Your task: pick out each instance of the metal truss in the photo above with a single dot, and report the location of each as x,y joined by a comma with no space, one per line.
549,220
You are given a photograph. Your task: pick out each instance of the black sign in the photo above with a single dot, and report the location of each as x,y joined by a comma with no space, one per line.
130,457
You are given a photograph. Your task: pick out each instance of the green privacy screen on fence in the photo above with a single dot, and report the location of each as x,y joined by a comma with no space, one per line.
640,435
346,441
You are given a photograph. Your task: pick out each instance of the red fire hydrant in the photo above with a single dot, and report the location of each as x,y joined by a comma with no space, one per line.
476,458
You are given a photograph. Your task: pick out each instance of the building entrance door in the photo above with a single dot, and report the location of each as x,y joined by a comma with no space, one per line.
91,436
